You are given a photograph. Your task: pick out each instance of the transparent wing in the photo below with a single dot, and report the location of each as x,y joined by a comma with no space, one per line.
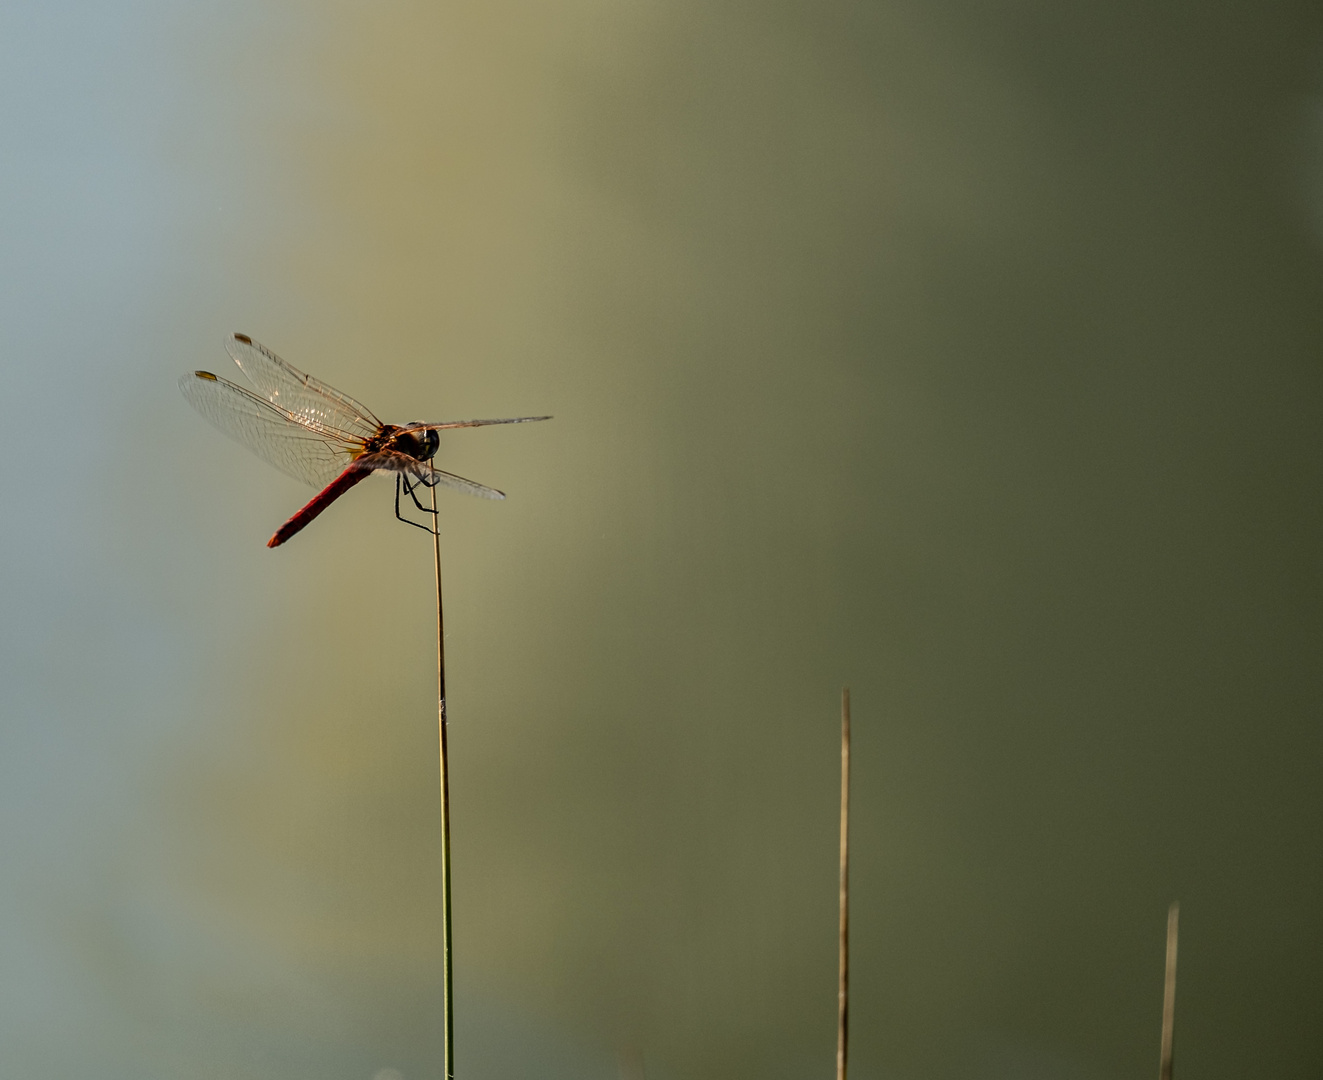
321,407
275,436
423,472
436,478
472,423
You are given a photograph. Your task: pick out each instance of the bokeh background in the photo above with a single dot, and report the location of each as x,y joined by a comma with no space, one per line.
967,354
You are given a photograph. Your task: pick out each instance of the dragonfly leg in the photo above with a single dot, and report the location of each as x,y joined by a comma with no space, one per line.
411,487
400,481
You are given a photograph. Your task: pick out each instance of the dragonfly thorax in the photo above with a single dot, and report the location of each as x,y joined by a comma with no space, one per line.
420,444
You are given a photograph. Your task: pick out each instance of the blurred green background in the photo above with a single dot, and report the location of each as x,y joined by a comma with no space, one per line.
966,354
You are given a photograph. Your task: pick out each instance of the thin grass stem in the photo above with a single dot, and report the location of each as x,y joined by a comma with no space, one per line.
446,970
843,988
1169,994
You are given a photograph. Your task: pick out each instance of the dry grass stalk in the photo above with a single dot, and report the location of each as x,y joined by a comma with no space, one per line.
1169,994
446,972
843,989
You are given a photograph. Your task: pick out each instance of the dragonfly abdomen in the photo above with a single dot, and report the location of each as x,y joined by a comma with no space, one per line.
320,502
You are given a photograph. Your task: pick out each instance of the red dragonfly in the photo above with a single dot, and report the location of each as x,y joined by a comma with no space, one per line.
320,436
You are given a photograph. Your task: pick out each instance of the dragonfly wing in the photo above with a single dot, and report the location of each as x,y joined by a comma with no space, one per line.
322,407
435,477
442,426
277,438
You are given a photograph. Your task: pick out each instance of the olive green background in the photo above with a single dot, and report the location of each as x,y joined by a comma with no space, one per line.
964,354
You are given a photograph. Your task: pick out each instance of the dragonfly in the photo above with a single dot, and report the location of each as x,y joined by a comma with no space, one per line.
321,436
